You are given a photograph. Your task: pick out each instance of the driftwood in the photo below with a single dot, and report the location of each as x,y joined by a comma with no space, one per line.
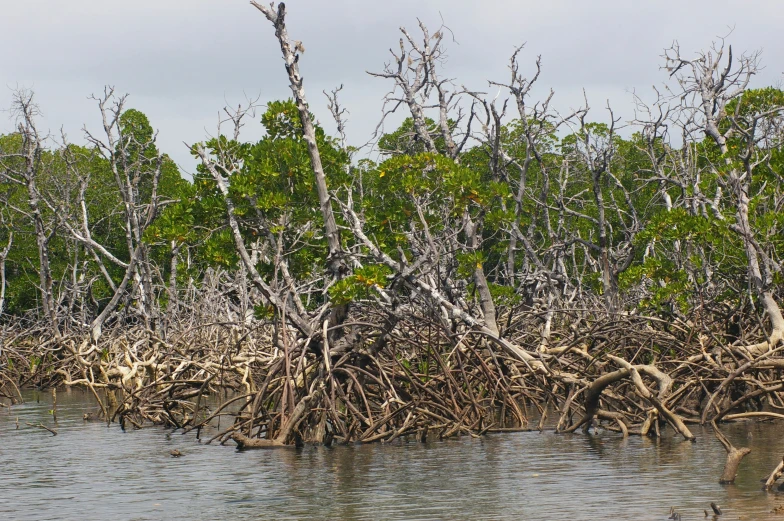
734,457
243,442
42,426
774,476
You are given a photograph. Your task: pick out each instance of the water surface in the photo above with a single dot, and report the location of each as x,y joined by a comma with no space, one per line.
93,472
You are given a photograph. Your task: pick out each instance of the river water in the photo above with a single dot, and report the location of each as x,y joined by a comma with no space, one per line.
91,471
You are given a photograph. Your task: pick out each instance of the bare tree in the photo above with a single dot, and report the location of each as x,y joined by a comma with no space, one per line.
291,54
419,86
3,256
25,168
136,173
708,84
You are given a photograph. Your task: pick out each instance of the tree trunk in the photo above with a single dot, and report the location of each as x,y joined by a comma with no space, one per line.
760,285
290,57
42,241
480,280
3,256
608,279
172,289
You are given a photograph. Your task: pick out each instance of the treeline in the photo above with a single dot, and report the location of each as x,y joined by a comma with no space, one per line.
541,249
546,212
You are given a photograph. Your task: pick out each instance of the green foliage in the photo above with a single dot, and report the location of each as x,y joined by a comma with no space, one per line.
272,191
675,255
360,284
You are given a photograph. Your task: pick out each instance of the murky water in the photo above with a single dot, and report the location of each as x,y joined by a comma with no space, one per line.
89,471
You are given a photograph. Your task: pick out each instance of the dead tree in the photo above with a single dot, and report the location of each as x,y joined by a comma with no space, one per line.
544,264
3,256
593,155
291,52
707,86
136,173
418,85
417,78
25,167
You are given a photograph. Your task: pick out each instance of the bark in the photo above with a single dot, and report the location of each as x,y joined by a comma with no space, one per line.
774,476
598,167
42,242
3,256
172,288
31,153
482,287
336,264
760,285
594,393
734,457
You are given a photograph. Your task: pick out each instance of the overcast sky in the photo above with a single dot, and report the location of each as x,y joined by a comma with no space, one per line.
181,61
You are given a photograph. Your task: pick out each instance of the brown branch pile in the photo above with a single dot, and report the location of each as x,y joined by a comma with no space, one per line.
635,375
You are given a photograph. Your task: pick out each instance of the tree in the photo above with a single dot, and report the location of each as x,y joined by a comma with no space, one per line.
744,126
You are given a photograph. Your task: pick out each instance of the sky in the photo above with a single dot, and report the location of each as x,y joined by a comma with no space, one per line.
182,61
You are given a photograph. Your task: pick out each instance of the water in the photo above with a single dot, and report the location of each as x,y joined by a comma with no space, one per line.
91,471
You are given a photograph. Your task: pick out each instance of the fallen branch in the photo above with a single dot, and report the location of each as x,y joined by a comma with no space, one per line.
775,475
42,426
734,457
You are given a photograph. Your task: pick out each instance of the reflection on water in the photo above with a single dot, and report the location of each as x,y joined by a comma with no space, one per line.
90,471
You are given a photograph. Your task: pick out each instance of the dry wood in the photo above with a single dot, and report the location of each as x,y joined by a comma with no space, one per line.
734,457
42,426
774,476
